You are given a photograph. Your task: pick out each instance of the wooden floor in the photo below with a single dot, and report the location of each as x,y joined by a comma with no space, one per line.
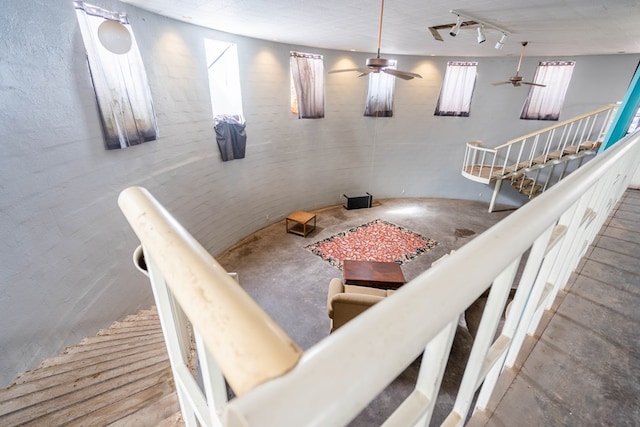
584,370
120,377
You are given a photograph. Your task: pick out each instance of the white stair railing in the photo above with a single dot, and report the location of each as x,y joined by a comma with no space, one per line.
330,383
565,141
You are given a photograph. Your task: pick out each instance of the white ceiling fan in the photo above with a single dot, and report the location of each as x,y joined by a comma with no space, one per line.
377,64
517,79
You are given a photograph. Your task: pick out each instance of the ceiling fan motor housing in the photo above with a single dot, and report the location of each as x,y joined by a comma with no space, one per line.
377,62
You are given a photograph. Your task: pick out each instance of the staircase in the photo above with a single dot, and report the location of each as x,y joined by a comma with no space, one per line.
120,377
529,162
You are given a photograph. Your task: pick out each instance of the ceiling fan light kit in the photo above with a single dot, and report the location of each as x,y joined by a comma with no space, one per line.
517,80
380,65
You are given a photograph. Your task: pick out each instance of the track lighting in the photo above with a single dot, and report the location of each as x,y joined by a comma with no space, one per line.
456,28
482,26
500,44
481,37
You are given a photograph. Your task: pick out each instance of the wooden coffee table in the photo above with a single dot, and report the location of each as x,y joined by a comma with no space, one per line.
384,275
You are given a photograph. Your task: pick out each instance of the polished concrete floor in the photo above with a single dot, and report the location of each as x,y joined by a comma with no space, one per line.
290,283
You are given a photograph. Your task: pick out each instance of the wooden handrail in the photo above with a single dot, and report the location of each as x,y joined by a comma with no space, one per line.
557,125
247,344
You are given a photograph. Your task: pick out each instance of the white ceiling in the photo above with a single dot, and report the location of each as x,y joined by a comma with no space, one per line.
553,28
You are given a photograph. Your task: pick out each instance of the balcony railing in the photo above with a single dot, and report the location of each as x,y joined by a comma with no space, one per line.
544,149
330,383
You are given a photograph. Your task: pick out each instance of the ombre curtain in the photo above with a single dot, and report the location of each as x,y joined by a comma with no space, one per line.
119,81
380,94
457,89
545,103
307,74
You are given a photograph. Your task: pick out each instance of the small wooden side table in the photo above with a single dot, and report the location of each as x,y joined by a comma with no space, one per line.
301,220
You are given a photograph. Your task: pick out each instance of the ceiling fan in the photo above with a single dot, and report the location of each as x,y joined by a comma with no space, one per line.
517,79
377,64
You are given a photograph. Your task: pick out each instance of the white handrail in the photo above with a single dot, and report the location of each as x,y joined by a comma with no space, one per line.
560,124
335,379
247,344
535,154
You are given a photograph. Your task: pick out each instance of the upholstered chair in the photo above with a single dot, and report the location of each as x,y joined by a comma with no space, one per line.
344,302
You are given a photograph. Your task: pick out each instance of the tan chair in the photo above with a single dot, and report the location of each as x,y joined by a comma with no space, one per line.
344,302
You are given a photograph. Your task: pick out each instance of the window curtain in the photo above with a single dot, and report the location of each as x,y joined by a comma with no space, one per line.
545,103
457,89
307,75
380,94
119,82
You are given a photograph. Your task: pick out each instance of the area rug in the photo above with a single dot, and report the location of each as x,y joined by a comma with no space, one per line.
377,240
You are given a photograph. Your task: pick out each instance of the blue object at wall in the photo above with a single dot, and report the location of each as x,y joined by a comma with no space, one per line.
625,114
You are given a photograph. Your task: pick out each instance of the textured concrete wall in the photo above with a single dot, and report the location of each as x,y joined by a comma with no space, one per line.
65,267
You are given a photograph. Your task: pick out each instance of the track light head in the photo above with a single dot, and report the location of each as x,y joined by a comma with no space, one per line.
456,28
500,44
481,37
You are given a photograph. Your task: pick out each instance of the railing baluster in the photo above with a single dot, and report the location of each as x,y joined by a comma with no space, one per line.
573,134
336,378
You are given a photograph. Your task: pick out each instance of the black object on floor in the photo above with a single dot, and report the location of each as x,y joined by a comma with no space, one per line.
358,202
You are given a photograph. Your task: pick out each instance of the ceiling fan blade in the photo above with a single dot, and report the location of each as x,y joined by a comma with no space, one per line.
533,84
360,70
436,35
500,83
406,75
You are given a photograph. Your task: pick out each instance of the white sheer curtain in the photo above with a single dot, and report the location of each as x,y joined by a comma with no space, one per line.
119,81
545,103
380,94
307,75
457,89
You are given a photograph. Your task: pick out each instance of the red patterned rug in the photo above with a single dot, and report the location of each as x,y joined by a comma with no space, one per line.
377,240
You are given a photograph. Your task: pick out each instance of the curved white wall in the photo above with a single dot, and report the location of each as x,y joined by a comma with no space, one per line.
65,267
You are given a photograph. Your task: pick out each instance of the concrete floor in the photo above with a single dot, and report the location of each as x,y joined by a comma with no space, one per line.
290,283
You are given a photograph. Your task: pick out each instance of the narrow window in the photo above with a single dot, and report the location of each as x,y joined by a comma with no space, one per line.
380,95
307,85
545,103
118,76
224,79
226,98
457,89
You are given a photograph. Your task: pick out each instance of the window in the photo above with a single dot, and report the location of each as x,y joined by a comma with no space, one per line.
224,80
545,103
118,76
635,123
457,89
307,85
380,95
